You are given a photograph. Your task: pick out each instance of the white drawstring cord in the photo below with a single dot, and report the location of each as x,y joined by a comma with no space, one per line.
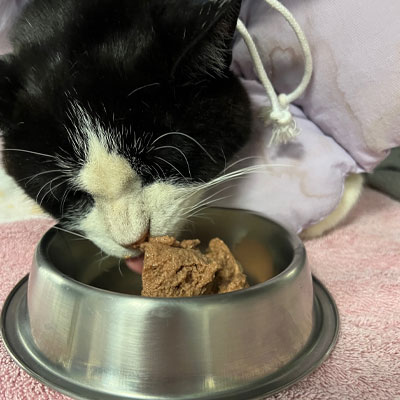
284,126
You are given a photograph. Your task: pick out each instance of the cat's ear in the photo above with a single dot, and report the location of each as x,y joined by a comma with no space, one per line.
8,85
200,35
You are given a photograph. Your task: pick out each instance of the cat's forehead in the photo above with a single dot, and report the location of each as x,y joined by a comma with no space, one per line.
104,171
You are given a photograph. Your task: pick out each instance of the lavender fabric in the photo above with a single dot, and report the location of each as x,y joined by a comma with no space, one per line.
9,10
349,116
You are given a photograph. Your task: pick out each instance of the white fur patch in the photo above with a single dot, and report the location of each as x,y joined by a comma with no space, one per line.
123,209
106,175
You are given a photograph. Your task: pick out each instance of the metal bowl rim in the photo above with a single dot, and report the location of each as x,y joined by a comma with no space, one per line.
298,260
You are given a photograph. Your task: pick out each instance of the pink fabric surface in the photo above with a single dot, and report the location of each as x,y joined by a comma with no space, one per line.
359,263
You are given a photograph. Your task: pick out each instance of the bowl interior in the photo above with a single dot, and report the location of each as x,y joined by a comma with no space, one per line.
263,248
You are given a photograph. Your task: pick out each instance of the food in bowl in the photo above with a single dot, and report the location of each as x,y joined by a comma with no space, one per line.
175,268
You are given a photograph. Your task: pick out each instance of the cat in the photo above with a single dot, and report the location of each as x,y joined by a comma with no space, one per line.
118,111
117,115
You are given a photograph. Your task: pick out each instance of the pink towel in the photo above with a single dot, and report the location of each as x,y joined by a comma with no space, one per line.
359,263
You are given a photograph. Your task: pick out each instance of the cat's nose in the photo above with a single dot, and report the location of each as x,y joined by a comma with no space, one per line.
143,238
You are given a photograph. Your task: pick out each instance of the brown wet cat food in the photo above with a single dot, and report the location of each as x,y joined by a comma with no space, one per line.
178,269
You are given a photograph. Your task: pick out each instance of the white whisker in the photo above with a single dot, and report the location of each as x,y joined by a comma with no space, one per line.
47,183
99,254
201,216
71,232
101,260
30,152
261,168
180,151
119,267
143,87
63,200
51,189
173,166
223,154
204,201
205,205
186,136
155,169
241,160
30,178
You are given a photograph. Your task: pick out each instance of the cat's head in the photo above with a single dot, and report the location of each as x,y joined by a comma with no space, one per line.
114,112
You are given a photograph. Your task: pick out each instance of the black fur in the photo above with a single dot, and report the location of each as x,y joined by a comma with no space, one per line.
95,53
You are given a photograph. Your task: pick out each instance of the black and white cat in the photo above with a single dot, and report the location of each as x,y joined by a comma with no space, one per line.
115,114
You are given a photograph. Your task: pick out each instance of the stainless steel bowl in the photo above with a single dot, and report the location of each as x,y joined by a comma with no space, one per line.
108,344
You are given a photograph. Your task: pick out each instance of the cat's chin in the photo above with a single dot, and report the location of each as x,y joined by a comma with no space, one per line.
135,263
